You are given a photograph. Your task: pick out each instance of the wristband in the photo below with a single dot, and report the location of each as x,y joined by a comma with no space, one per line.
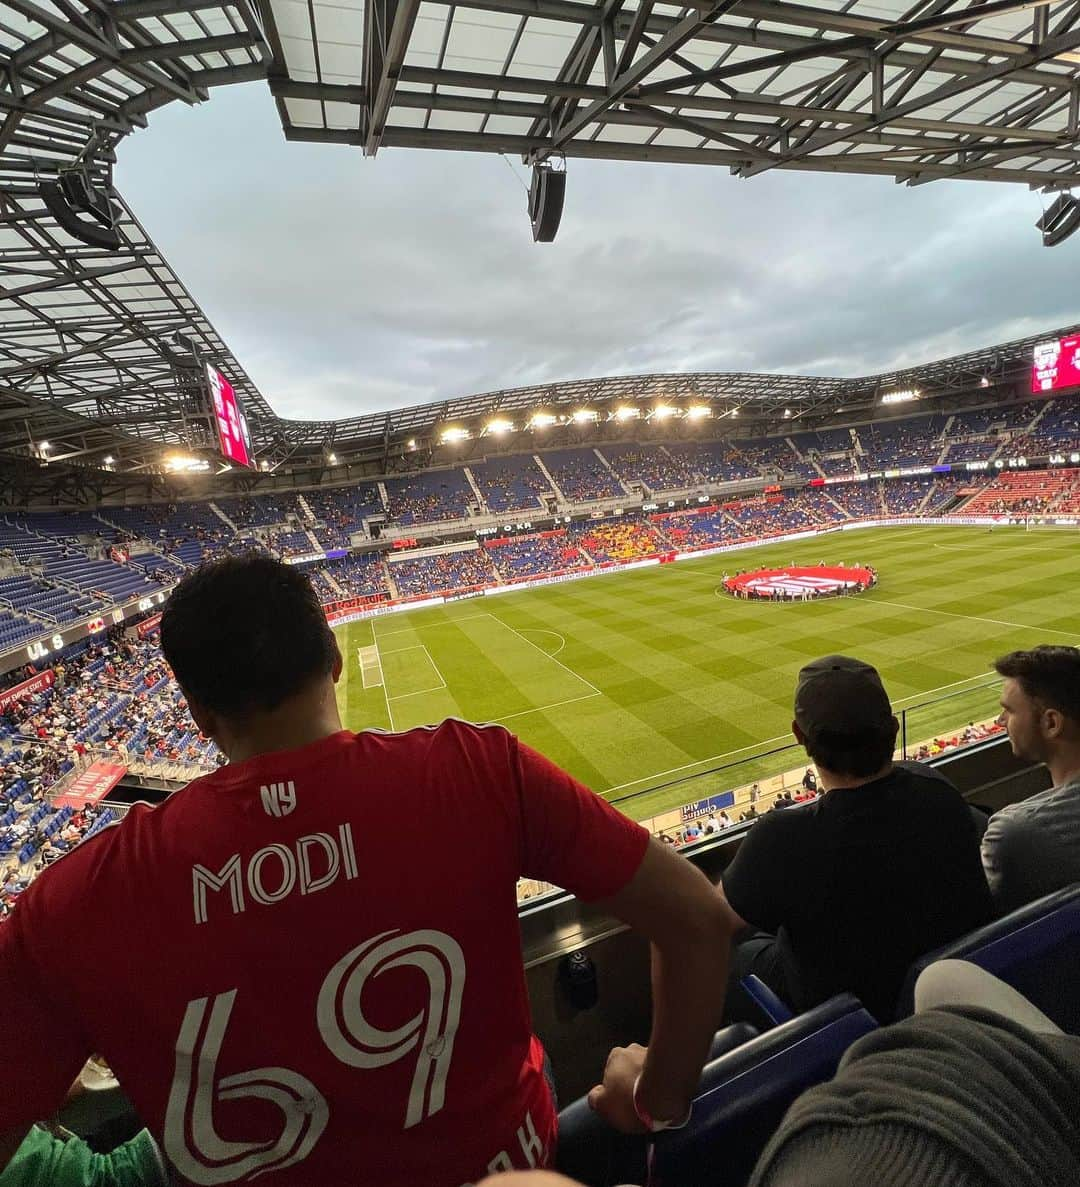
651,1123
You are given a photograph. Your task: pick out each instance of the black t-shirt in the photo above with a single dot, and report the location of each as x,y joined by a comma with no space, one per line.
860,882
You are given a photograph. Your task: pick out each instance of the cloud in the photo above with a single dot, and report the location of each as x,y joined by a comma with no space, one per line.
347,285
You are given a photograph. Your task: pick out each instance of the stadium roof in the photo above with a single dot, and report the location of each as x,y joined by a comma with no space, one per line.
724,392
87,333
918,91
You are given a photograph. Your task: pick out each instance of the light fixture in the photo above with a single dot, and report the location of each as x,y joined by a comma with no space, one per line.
264,465
734,412
109,460
332,458
901,397
984,382
448,436
44,447
412,442
662,412
582,415
541,420
627,412
179,463
499,426
698,411
787,414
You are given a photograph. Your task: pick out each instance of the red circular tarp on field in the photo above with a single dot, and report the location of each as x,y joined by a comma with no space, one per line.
801,581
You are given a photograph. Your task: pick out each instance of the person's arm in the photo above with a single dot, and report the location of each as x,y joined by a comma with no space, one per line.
41,1052
1015,861
672,903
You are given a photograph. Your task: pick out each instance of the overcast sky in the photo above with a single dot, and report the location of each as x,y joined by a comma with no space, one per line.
345,284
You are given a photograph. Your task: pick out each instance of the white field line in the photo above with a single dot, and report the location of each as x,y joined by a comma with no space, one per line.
544,708
378,663
698,763
386,698
576,675
972,547
538,630
425,626
1023,626
435,668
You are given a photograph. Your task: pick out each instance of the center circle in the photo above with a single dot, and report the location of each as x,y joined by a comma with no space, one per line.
800,583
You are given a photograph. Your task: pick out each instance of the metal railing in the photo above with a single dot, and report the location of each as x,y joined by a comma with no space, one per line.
666,807
928,722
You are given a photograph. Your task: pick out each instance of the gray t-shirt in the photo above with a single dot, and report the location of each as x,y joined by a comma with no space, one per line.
1033,848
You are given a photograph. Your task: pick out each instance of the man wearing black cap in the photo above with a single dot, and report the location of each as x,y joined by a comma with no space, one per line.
883,867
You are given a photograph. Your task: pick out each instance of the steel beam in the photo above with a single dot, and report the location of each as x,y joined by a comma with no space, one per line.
386,41
683,32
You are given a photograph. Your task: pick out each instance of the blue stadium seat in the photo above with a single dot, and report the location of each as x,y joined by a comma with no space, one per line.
747,1091
1035,949
591,1152
766,1000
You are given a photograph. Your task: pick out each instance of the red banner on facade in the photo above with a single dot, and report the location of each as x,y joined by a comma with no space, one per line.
92,785
36,683
150,624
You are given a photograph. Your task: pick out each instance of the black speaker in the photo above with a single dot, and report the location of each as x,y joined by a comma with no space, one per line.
1061,219
546,202
74,196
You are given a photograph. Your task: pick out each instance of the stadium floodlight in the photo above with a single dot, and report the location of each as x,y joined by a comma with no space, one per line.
662,412
698,412
627,412
499,426
264,465
455,433
412,442
109,460
901,397
332,458
984,382
582,415
44,446
541,420
787,414
179,463
1074,458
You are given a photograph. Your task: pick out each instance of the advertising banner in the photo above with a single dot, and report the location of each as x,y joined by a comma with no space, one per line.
27,688
149,626
714,803
92,785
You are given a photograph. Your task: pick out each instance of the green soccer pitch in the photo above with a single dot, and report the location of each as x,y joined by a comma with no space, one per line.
648,685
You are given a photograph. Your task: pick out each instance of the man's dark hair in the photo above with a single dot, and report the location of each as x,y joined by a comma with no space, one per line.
245,633
1048,674
864,753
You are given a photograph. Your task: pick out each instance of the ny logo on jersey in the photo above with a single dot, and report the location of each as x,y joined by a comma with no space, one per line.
278,799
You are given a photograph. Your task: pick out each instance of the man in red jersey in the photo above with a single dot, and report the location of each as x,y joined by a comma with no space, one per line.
286,994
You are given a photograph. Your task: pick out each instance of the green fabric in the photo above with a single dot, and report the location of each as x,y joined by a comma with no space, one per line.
44,1160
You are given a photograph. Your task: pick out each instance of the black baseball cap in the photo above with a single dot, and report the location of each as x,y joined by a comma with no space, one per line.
841,695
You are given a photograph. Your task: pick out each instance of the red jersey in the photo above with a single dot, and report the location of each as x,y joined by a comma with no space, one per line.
287,991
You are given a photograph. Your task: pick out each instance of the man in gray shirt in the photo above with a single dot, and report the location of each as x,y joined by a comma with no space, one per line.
1033,848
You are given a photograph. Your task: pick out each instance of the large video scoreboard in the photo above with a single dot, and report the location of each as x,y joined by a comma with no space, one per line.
1056,365
232,430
